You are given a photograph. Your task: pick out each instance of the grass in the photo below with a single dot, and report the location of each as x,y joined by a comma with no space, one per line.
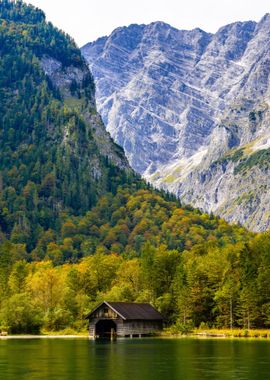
235,333
170,179
74,103
188,330
66,331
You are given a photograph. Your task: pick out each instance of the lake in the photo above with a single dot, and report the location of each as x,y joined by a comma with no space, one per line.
134,359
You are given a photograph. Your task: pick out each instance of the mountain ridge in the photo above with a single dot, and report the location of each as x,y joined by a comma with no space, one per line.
177,101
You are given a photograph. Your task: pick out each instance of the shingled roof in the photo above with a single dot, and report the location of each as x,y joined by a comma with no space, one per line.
128,310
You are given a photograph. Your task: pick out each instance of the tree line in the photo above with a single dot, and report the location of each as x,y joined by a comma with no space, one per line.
138,247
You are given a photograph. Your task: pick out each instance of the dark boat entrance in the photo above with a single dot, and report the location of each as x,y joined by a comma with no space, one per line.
105,328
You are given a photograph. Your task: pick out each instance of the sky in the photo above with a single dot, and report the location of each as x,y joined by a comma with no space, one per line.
87,20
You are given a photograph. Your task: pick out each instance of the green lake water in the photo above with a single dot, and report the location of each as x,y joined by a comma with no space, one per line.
136,359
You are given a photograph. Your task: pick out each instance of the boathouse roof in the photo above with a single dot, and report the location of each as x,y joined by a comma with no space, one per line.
129,310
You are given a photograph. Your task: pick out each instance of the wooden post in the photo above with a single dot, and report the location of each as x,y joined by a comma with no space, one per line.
94,332
113,335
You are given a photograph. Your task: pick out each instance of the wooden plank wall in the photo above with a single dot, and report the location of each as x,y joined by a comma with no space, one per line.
127,328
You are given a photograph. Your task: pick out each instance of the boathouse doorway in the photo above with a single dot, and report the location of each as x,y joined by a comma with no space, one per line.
105,328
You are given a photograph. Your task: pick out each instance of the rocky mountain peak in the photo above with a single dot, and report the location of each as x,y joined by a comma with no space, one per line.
179,101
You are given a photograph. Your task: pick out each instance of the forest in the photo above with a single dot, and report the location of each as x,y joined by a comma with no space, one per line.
136,246
76,229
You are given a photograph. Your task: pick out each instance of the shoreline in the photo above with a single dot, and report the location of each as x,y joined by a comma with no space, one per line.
24,336
169,333
194,335
223,334
234,333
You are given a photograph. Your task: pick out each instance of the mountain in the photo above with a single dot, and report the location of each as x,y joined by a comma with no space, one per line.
57,161
191,110
56,156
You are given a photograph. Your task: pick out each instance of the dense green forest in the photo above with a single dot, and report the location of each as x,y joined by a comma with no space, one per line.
76,228
50,162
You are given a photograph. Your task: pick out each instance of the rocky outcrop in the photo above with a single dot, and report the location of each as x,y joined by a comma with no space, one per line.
182,103
77,90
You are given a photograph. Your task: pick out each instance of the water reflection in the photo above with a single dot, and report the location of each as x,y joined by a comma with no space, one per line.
137,359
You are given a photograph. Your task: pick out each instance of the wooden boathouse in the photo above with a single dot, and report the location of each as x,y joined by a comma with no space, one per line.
123,319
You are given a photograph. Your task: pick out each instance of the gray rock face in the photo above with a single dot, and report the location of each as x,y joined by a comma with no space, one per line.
62,78
188,108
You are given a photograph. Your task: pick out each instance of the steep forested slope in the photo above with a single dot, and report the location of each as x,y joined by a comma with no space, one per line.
55,153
